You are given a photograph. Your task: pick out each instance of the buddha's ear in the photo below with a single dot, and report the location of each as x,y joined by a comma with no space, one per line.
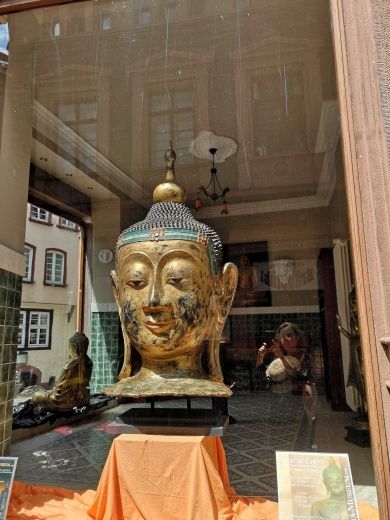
115,287
225,293
229,280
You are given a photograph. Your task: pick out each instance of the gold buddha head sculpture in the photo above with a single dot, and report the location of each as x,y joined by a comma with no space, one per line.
173,299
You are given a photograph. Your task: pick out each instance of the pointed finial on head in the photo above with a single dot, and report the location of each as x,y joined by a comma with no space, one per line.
169,191
170,158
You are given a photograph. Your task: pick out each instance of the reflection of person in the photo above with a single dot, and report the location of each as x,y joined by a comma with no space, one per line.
289,359
72,387
247,282
334,507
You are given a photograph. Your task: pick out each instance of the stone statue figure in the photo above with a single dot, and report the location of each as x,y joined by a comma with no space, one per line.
334,507
355,370
172,299
72,386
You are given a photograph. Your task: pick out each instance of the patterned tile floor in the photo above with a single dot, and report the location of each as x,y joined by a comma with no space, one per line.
74,456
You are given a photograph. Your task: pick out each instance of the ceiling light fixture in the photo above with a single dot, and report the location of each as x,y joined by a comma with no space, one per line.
217,192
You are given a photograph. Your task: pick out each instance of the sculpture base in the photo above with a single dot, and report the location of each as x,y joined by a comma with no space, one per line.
148,384
358,436
170,421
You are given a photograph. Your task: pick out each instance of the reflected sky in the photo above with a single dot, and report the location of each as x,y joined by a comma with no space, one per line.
4,38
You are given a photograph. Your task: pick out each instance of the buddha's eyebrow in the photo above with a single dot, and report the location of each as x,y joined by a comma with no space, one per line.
172,255
136,255
167,256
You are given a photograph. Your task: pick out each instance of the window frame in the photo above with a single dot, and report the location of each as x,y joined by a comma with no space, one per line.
167,10
105,15
78,122
64,268
144,9
61,225
32,249
171,114
24,346
47,222
56,29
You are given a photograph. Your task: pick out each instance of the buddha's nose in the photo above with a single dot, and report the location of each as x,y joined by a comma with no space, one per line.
154,299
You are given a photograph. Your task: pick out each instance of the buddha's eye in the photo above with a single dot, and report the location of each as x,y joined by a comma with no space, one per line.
136,283
175,280
182,283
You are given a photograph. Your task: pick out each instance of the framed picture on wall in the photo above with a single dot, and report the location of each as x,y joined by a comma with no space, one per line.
252,262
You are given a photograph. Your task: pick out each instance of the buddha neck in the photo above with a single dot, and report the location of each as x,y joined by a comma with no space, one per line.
181,366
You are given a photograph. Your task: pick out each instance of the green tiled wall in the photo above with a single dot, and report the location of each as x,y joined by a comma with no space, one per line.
104,349
10,296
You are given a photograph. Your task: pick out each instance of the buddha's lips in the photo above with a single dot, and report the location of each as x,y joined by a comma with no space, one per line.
159,326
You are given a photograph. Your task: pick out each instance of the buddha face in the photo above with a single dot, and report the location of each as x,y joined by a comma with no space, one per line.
164,292
333,480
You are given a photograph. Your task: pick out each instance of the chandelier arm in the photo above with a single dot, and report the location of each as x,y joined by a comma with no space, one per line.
220,187
214,181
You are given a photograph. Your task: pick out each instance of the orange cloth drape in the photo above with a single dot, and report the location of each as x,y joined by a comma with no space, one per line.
153,477
185,477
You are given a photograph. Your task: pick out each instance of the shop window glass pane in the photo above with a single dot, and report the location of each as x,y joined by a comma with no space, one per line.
158,103
257,84
241,4
183,121
106,22
171,12
56,29
67,112
183,99
88,131
145,16
88,110
68,147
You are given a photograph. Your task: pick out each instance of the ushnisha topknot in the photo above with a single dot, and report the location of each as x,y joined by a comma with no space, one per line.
170,219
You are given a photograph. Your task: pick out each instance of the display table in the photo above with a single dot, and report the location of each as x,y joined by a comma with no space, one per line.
169,477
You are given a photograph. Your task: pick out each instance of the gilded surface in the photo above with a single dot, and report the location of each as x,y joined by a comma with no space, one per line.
169,190
170,304
72,386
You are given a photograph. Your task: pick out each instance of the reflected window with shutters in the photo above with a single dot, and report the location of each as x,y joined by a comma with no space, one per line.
34,332
29,254
55,267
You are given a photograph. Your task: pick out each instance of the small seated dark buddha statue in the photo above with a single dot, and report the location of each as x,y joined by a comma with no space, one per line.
72,386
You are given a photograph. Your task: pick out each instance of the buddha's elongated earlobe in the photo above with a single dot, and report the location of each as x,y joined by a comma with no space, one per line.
227,289
229,285
126,367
